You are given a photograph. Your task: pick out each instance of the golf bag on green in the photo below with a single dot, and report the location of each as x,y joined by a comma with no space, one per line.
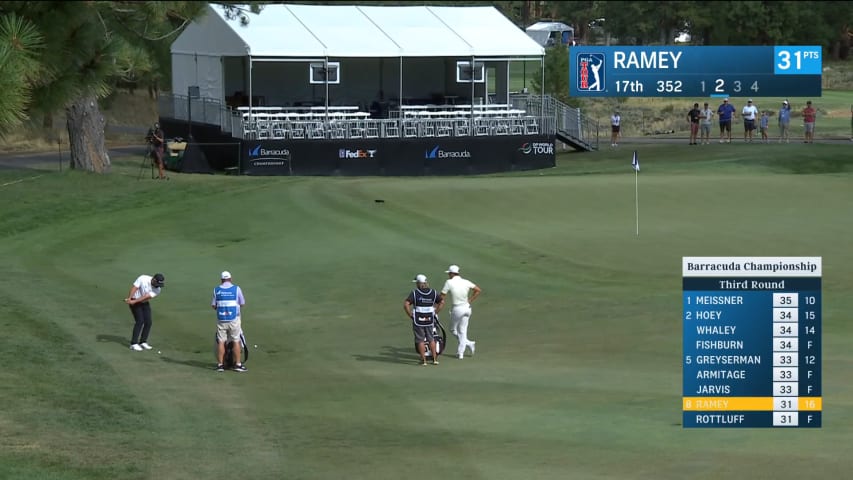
439,335
228,360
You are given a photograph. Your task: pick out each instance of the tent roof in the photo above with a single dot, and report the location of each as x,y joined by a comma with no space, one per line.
548,26
292,31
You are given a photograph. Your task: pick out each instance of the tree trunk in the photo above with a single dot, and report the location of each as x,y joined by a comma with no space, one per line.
86,135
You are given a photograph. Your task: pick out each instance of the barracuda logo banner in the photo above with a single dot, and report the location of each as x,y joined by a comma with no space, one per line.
437,152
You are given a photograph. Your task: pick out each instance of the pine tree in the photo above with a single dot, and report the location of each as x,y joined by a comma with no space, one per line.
20,45
88,47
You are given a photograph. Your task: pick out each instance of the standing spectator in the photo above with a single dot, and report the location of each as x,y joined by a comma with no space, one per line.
765,123
726,112
421,306
693,120
615,124
851,123
809,115
158,143
784,122
461,299
749,113
228,302
143,289
705,126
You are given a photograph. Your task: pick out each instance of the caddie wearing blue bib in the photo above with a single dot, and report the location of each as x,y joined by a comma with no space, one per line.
228,301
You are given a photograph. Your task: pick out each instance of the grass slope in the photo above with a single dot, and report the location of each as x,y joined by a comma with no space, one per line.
577,374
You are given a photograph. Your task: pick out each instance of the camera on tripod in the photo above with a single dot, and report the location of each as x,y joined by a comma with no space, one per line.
150,136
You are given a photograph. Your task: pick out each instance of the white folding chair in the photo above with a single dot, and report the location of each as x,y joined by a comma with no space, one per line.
371,129
461,127
390,129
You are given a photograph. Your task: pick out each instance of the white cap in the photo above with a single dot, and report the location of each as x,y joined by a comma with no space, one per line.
452,269
420,279
785,102
226,275
749,101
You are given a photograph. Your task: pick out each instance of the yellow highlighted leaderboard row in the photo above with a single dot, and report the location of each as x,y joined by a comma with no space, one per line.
733,404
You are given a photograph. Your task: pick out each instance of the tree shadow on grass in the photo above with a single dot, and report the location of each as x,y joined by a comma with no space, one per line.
389,354
189,363
113,338
125,342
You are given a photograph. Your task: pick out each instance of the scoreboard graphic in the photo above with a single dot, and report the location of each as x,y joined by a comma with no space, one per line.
693,71
751,342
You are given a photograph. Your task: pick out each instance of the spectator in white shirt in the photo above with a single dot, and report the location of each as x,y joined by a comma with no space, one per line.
749,113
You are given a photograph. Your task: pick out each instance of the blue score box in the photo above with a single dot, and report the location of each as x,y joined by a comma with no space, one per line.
694,71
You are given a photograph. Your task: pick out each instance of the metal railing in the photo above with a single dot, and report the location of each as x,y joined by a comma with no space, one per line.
200,110
568,122
259,126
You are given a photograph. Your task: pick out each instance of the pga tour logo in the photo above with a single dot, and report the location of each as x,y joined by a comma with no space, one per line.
590,74
344,153
537,148
257,151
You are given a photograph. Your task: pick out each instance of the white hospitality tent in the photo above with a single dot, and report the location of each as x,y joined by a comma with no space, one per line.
290,55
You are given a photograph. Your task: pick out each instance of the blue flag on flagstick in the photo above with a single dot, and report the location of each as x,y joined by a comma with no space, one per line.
635,162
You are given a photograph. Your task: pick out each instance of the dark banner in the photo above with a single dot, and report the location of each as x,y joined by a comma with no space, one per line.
397,157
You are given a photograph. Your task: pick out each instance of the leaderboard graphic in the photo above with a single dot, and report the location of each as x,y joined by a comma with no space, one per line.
670,71
751,342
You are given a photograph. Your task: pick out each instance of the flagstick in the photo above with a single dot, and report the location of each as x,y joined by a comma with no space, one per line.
637,198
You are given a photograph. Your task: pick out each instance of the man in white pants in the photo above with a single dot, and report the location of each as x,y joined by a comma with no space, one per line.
460,312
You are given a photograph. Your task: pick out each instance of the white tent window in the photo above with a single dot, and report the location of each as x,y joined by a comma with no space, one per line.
319,72
464,72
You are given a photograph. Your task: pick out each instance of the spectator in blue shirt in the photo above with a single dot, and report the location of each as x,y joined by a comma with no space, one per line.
726,114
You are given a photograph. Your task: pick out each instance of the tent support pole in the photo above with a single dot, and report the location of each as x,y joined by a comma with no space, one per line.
326,102
400,96
542,93
250,87
473,77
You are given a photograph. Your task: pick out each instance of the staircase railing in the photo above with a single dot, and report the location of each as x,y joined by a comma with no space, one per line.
570,124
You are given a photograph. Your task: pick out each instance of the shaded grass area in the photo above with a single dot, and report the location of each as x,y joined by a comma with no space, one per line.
577,373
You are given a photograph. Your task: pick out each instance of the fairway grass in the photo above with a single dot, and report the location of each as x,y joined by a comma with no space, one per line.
578,366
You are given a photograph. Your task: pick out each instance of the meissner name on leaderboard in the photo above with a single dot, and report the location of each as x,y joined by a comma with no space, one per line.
718,300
